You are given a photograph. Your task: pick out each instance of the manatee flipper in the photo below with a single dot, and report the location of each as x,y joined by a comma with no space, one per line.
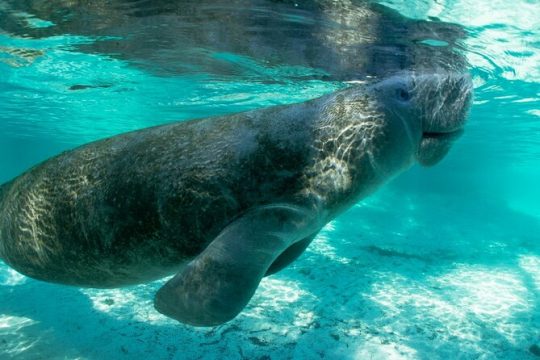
289,255
218,283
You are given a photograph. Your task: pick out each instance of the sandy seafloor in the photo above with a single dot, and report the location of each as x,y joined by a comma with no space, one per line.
442,273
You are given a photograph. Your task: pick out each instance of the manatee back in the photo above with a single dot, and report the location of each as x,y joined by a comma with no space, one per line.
134,207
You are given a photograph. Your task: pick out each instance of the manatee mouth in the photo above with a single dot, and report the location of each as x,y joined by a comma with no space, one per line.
443,136
435,145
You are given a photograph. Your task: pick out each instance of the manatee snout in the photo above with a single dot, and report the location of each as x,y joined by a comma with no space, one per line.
432,107
447,99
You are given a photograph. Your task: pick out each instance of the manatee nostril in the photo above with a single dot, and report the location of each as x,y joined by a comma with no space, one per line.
403,94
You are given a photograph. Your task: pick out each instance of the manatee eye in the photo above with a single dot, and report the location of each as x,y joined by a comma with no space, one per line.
403,95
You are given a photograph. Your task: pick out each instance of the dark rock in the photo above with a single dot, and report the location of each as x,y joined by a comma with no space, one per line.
257,341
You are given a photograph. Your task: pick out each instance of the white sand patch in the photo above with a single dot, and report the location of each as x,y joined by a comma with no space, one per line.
14,322
496,297
376,349
110,300
322,244
8,276
531,265
10,328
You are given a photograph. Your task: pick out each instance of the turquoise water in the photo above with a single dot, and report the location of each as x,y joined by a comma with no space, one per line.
442,262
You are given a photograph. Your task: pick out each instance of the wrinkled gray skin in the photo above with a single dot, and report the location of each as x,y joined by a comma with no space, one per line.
223,201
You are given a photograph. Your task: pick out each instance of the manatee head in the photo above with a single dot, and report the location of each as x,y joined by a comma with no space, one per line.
431,107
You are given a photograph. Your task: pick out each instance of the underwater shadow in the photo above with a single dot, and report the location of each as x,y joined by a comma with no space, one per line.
49,321
42,320
411,269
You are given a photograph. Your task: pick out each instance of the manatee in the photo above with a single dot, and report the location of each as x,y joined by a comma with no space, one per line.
222,202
